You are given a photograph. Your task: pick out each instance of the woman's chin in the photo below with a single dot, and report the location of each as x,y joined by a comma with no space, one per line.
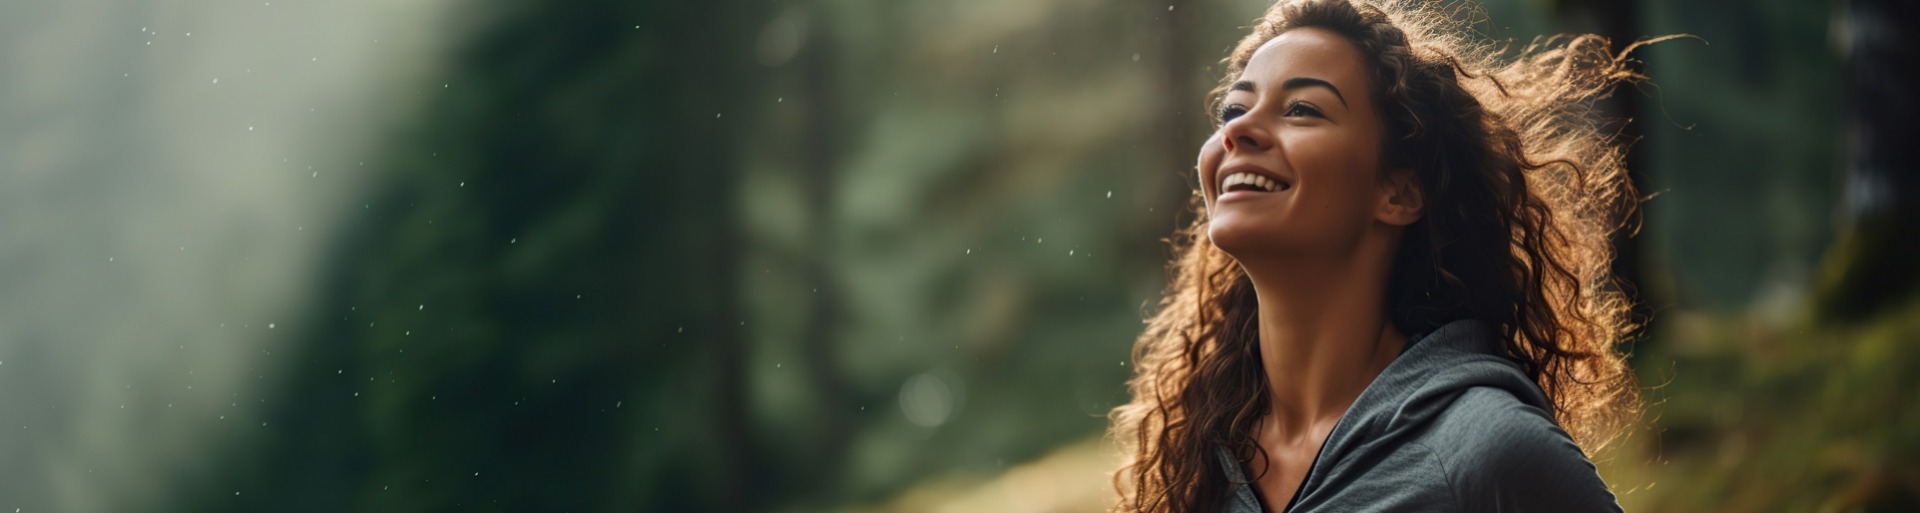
1237,237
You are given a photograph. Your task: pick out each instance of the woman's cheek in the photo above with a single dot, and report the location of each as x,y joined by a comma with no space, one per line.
1211,152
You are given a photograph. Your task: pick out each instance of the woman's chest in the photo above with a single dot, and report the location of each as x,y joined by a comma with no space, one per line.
1285,469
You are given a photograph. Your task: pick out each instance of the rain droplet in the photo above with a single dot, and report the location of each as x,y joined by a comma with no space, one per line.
422,307
269,325
996,48
1109,194
216,81
515,240
1136,57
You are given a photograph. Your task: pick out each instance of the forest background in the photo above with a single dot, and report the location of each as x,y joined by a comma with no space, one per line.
822,255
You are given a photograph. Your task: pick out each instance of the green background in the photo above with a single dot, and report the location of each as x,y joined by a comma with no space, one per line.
795,255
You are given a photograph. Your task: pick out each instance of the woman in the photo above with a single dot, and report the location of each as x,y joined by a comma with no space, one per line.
1396,295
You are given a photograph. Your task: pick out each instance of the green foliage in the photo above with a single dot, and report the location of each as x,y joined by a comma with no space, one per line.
1751,416
535,309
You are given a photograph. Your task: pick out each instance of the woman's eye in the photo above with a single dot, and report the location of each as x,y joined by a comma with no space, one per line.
1302,109
1230,112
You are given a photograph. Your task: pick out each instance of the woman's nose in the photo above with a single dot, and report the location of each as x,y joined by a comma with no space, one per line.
1244,134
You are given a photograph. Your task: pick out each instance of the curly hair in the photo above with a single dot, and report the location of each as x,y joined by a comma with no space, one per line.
1525,188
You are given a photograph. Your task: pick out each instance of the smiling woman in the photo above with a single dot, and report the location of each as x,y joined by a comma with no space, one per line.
1396,294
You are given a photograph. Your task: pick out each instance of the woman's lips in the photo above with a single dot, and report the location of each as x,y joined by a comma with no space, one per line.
1249,182
1231,196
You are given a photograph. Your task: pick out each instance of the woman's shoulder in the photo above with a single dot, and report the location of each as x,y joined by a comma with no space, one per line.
1494,423
1500,453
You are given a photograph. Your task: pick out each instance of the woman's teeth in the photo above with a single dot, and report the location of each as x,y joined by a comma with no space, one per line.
1252,181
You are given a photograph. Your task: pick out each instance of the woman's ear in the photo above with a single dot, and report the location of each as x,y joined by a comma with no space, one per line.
1401,200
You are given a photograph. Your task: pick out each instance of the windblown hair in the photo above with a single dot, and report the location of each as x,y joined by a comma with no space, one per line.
1525,189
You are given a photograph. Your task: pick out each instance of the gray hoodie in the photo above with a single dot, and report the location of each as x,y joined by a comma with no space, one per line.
1448,426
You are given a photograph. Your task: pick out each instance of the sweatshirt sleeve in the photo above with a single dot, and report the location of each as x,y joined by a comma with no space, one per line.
1503,455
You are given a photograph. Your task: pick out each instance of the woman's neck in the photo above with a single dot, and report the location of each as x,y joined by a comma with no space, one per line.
1324,336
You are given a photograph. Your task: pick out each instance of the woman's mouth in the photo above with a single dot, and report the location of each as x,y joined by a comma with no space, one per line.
1243,182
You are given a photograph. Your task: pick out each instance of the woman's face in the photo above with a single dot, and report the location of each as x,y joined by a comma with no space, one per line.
1295,166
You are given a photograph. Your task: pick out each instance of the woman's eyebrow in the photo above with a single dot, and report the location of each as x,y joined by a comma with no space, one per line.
1297,82
1293,83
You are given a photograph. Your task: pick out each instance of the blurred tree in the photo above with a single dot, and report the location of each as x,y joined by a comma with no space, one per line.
1740,154
536,309
823,156
1873,266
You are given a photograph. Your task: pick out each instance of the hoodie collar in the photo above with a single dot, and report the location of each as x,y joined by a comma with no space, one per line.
1411,392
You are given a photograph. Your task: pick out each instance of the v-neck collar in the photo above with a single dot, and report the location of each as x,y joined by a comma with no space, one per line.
1249,497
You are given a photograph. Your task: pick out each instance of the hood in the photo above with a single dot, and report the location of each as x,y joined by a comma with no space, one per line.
1416,388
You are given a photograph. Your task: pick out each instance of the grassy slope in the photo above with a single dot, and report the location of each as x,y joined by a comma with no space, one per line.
1748,416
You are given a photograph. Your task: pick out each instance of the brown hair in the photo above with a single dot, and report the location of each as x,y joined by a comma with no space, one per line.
1524,190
